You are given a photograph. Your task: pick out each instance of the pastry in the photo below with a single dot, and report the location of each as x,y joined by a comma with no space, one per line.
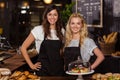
22,77
26,73
16,74
31,76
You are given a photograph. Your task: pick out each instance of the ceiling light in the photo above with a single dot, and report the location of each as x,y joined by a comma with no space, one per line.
2,4
47,1
23,11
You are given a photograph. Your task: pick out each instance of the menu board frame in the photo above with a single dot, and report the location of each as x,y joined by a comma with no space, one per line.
99,23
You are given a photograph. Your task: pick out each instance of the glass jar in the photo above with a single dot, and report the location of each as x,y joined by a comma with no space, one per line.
79,66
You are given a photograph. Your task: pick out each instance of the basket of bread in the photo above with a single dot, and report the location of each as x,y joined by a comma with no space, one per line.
106,76
23,75
107,43
116,54
18,75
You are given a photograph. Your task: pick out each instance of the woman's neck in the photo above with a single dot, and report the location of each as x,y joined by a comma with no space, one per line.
76,36
52,27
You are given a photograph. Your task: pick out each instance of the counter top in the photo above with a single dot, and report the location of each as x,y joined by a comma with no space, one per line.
63,78
110,64
14,62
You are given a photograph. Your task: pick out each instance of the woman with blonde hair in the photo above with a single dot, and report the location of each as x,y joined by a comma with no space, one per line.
77,42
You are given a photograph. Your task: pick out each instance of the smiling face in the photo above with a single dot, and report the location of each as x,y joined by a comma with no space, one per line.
75,25
52,17
76,29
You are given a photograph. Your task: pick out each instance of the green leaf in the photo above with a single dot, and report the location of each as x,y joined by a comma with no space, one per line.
67,12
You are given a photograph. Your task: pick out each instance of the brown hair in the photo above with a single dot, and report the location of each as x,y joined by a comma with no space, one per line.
46,24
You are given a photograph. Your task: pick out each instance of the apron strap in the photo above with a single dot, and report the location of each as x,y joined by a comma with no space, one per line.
80,52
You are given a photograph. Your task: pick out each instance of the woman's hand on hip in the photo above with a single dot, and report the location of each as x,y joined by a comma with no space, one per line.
36,66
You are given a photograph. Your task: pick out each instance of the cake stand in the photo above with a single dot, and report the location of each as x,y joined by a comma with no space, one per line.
80,77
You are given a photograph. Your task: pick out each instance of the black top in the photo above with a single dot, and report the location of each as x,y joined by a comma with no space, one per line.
50,58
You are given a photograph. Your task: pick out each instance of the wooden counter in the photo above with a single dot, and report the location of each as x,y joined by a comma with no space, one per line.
14,62
110,64
63,78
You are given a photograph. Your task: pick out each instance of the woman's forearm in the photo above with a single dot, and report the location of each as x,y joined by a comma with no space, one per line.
26,57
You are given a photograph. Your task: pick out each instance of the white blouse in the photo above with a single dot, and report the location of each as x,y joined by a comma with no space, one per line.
86,49
38,34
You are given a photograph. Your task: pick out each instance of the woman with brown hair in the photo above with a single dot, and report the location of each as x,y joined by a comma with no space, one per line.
48,38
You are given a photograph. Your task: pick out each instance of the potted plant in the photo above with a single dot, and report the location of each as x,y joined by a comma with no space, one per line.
66,12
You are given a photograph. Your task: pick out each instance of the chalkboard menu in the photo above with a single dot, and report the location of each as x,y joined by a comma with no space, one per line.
116,8
91,10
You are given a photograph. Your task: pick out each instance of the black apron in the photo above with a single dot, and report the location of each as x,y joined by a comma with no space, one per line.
50,58
71,54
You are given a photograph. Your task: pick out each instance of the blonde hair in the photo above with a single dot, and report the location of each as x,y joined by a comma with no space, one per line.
83,31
